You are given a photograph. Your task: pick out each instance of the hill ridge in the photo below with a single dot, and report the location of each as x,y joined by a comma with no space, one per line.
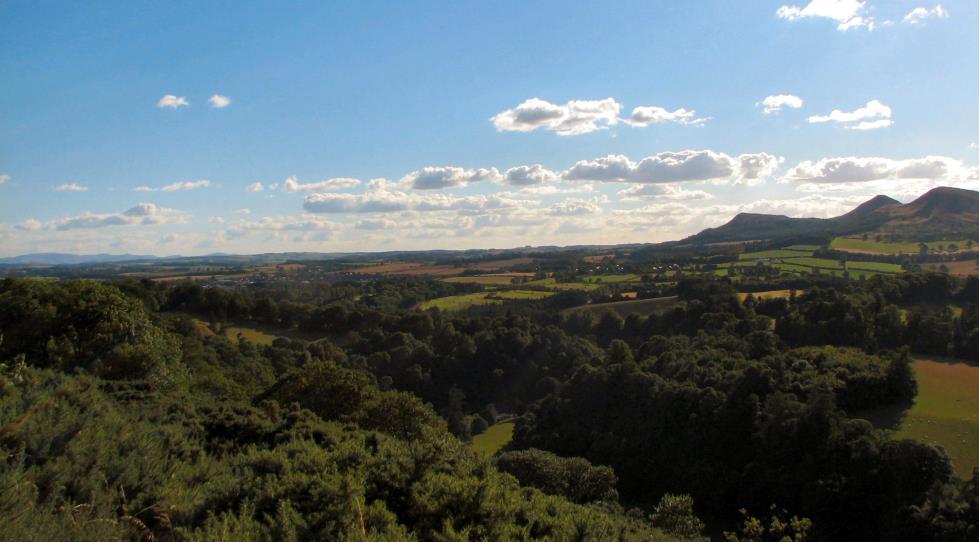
941,210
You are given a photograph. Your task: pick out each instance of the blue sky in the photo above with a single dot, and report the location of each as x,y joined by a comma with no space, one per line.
534,105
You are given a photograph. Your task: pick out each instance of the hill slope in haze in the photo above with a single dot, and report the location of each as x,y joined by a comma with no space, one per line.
940,211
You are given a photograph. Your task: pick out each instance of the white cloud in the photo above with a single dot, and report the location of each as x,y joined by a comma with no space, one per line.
971,146
146,214
549,190
871,124
175,187
255,187
380,198
577,207
756,167
71,187
668,192
775,104
172,102
304,223
573,118
376,224
853,169
529,175
438,177
4,178
218,101
869,117
847,13
649,115
339,183
919,14
669,167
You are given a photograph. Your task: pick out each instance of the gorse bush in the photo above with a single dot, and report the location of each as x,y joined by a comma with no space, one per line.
121,423
320,454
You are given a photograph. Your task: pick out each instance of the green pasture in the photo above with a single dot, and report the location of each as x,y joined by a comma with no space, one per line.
777,253
611,279
945,412
885,247
454,303
644,307
521,294
249,334
553,284
493,439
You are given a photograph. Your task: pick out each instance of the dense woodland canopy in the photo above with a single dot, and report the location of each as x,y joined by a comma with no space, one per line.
121,419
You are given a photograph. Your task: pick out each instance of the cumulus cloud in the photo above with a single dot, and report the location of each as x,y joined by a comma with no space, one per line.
175,187
847,13
376,224
140,214
529,175
218,101
665,192
670,167
869,117
172,102
304,223
778,102
648,115
380,198
577,207
573,118
71,187
755,167
853,169
549,190
438,177
339,183
919,14
255,187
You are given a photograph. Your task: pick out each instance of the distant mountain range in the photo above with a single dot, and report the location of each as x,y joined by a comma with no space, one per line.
57,258
942,211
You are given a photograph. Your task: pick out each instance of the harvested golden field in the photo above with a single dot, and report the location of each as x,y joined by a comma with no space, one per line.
500,264
279,268
962,268
408,269
496,279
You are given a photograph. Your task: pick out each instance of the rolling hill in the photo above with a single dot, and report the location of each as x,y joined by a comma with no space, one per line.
942,211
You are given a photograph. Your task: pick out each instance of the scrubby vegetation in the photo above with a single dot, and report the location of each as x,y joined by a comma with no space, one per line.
123,417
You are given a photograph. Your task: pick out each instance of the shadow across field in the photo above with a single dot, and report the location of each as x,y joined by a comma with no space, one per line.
945,411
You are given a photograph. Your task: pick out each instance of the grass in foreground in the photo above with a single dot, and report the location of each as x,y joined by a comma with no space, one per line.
945,412
493,439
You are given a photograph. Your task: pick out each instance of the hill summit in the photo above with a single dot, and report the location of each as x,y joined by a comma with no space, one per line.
940,211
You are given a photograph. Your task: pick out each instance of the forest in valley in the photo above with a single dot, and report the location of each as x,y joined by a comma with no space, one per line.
123,416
